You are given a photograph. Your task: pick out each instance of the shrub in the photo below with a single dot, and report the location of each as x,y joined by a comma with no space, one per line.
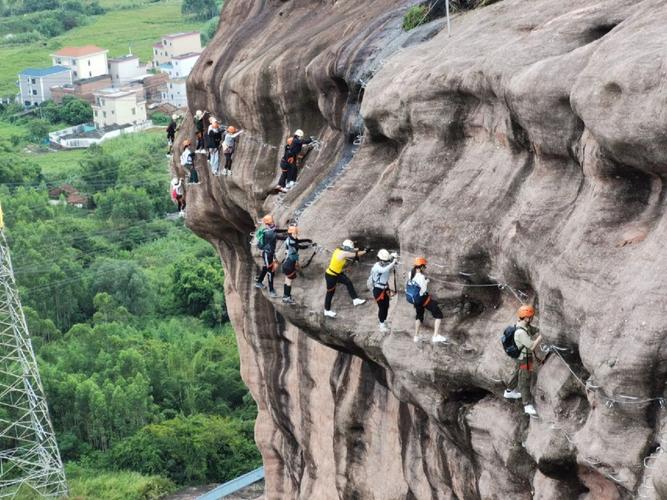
415,16
160,118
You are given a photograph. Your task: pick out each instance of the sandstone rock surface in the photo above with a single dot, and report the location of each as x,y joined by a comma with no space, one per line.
529,148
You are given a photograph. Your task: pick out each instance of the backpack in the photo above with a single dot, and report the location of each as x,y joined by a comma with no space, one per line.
259,237
412,294
507,339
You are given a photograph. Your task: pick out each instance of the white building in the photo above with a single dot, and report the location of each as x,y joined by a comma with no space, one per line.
125,69
175,93
118,107
174,45
35,83
180,66
85,62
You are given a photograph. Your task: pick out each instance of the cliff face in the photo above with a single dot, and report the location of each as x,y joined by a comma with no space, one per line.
527,149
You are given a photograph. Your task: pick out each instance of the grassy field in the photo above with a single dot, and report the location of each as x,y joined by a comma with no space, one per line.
58,165
116,30
7,130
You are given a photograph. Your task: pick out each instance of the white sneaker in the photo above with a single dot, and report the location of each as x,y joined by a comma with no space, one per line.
416,338
329,314
530,410
273,294
181,213
511,394
383,328
438,338
259,285
358,302
290,184
282,189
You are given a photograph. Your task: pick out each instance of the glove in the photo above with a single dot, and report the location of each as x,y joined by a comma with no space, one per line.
394,255
314,245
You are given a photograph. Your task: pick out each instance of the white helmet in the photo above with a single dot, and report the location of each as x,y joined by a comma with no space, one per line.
299,133
199,113
174,181
174,117
348,245
384,255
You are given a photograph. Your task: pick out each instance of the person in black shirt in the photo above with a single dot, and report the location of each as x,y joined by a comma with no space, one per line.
292,244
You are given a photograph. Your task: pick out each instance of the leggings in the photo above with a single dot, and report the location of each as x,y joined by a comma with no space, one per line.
267,269
332,281
430,305
292,172
194,178
228,161
382,299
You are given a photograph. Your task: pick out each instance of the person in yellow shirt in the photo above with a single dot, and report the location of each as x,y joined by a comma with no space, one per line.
526,339
334,275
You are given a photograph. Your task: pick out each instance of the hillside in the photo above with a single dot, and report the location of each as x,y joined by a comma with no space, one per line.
125,26
524,157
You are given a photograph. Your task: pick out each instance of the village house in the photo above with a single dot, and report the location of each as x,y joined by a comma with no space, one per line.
175,45
70,194
125,69
35,83
119,107
85,62
83,89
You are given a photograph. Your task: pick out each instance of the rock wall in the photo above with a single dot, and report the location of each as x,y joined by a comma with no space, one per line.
529,148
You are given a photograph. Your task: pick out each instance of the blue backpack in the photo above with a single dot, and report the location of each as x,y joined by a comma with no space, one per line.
412,294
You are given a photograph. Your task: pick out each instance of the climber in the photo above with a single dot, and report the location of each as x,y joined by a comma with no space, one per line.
214,137
416,294
334,275
292,155
228,146
187,162
177,194
526,341
291,264
199,130
285,167
267,237
379,280
171,133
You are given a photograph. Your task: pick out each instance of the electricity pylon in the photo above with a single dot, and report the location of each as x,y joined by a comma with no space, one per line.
30,463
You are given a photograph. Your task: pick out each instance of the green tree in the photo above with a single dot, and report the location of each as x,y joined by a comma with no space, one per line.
125,282
99,171
200,9
195,284
124,204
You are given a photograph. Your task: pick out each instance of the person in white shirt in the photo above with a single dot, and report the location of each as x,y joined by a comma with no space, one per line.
380,279
424,302
178,194
228,146
187,162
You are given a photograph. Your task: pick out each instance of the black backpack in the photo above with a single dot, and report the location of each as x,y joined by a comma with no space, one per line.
509,345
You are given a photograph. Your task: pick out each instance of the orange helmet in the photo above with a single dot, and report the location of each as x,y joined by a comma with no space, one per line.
231,129
293,230
290,140
526,312
420,261
186,143
267,219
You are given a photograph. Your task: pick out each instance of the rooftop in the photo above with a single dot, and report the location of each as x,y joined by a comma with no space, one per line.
128,57
86,50
189,55
180,35
112,93
157,45
44,71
